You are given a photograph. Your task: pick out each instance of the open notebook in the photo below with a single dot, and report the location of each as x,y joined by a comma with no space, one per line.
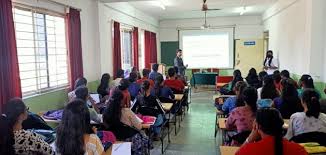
146,119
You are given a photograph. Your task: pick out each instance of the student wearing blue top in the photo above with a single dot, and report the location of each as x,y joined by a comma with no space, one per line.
154,72
134,87
160,90
237,101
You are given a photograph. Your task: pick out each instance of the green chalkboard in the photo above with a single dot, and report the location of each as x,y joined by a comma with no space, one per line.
168,50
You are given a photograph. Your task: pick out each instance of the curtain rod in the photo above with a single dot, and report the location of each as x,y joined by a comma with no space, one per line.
211,27
54,2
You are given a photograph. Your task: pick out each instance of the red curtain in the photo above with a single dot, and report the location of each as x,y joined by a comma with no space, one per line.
150,49
116,48
75,58
9,70
135,47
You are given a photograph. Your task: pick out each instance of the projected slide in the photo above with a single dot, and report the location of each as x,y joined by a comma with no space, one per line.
207,49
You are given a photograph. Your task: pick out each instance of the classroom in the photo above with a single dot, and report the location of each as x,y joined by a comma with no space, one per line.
172,77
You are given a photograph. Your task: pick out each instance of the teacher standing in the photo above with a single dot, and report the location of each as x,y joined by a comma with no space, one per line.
178,62
270,63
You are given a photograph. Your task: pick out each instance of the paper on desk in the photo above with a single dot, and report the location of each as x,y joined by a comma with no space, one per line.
121,149
96,97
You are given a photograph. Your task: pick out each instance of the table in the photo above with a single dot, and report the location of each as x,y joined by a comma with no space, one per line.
204,78
178,97
228,150
222,121
167,106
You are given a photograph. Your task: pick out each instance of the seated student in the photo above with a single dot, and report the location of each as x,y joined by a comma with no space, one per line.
289,102
311,120
266,136
277,80
268,91
104,89
146,100
82,94
123,87
74,133
252,78
180,77
154,72
134,87
120,76
173,83
261,76
242,118
116,113
285,74
160,90
236,101
134,69
14,140
79,82
145,77
306,82
228,89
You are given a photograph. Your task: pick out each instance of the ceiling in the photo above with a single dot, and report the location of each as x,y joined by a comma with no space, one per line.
181,9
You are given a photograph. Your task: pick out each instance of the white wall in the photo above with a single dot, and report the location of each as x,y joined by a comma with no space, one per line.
296,33
123,13
246,27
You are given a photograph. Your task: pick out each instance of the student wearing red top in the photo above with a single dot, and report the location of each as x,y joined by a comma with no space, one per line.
123,87
268,128
145,77
277,80
173,83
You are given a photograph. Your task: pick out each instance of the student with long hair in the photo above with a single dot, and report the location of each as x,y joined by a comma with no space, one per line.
228,89
270,63
148,105
236,101
285,74
134,87
160,90
242,118
116,114
268,91
123,87
277,80
311,120
120,75
145,73
252,78
266,136
74,133
104,88
236,77
14,140
289,102
78,83
306,82
261,77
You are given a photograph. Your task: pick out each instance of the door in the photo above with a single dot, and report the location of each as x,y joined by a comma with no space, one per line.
249,53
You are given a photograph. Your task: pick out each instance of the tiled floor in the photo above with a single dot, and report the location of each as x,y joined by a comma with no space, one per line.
196,135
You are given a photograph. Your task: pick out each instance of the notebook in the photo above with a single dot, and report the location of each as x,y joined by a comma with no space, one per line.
121,149
146,119
95,97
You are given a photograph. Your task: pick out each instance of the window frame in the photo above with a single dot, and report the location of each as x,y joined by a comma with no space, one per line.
39,90
129,30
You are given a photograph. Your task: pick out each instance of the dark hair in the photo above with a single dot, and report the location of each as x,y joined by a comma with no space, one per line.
240,86
236,77
134,69
270,60
145,86
80,82
307,81
270,122
124,84
82,93
112,114
285,73
133,77
104,82
262,75
146,72
311,98
250,97
291,101
12,110
252,73
120,73
252,78
157,88
277,76
171,72
179,50
74,125
155,67
269,90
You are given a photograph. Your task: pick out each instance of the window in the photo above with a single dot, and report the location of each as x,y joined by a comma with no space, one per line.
126,47
41,50
142,49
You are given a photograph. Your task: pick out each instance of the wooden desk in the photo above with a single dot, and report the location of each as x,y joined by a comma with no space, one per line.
178,97
228,150
167,106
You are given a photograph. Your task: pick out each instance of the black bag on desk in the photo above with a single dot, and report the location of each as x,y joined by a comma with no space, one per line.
34,121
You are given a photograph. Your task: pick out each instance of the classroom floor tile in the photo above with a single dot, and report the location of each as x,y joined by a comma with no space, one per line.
196,135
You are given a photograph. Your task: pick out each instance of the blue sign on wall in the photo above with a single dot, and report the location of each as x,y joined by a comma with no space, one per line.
249,43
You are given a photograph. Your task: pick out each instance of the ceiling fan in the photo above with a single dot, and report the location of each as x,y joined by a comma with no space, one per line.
205,9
